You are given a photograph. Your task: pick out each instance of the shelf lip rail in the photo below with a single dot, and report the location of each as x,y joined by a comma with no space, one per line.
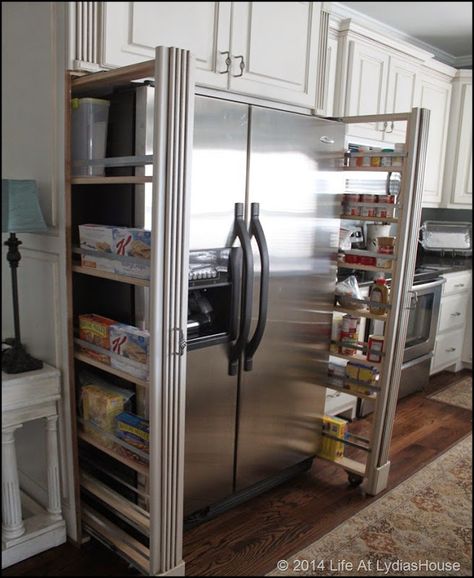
130,161
117,76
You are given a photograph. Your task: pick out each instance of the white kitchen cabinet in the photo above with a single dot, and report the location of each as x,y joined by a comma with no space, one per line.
366,87
132,30
274,50
267,50
449,351
435,95
458,167
467,348
403,93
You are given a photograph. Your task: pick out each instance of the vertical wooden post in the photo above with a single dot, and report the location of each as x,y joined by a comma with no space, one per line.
12,523
54,488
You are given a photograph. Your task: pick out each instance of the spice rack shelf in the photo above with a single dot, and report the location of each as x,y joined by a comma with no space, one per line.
371,219
359,267
348,464
358,358
360,313
131,180
367,253
377,154
391,169
371,397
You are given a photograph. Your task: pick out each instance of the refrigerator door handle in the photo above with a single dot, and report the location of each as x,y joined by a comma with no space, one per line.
256,230
240,232
235,266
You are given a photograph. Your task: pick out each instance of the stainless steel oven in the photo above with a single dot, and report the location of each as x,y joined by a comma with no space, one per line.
421,335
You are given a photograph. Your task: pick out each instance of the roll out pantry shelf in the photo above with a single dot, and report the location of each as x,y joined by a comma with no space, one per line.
138,467
350,465
373,169
371,397
360,313
360,267
105,530
109,369
357,358
130,180
128,511
370,219
111,276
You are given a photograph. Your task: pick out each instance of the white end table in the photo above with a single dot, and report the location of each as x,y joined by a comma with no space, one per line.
26,397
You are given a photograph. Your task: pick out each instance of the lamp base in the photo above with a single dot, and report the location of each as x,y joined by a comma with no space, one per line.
17,360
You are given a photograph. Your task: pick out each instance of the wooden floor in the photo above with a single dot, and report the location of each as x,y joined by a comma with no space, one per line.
248,540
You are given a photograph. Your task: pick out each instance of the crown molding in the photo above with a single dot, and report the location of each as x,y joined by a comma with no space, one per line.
340,13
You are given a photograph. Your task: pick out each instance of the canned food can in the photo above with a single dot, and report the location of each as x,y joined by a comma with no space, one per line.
382,212
375,161
368,260
374,348
348,339
369,198
386,162
368,211
352,259
350,324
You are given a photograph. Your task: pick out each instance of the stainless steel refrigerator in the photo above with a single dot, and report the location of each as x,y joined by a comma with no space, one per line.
264,182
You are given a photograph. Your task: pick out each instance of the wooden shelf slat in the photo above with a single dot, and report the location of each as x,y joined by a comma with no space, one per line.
391,169
109,369
371,397
360,313
360,267
109,78
111,276
127,510
372,219
133,550
357,358
125,180
348,464
137,466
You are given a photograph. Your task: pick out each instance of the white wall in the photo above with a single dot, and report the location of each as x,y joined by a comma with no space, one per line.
33,72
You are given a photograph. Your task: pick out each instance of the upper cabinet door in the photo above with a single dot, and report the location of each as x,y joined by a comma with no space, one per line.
274,48
435,96
366,87
132,30
403,93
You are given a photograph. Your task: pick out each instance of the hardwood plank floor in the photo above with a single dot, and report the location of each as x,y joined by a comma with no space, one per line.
249,539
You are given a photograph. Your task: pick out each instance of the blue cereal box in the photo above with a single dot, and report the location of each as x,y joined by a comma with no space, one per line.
134,246
130,347
133,429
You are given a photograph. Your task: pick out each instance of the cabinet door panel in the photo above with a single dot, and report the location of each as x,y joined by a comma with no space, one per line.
279,43
435,96
133,29
366,87
403,93
463,171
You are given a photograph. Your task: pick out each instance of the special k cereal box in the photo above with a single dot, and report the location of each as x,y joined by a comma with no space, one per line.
132,345
98,239
96,330
135,243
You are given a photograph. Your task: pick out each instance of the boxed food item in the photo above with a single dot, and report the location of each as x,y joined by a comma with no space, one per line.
101,403
362,373
127,248
133,429
332,449
131,345
96,330
96,238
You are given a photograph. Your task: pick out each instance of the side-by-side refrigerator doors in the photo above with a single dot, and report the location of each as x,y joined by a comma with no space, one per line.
290,178
219,167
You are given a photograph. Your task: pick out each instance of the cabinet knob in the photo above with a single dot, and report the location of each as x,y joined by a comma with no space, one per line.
460,285
450,349
455,314
241,66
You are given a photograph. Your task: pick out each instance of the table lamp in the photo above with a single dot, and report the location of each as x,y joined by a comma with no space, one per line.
21,213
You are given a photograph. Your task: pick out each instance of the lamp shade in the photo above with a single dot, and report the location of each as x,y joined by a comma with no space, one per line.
21,211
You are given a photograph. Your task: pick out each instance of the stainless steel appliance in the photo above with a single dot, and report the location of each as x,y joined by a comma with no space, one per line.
263,237
421,334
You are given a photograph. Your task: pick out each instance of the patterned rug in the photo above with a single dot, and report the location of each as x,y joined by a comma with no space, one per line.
423,527
459,394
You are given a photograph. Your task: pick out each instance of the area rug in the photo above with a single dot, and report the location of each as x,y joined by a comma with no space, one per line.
422,527
459,394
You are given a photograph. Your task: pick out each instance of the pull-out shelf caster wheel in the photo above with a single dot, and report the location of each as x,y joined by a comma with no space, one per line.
354,480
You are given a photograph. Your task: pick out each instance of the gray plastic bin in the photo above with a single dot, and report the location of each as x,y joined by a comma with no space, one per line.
89,134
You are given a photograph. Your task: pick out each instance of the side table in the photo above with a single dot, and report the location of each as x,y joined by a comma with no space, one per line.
26,397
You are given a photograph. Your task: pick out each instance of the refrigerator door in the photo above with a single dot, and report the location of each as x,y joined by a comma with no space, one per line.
218,182
292,176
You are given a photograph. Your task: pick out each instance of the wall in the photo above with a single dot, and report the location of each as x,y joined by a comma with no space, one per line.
33,74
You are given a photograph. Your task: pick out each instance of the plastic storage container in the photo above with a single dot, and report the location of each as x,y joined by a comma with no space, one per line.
89,134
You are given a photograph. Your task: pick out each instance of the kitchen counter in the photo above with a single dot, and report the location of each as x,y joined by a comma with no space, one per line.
446,264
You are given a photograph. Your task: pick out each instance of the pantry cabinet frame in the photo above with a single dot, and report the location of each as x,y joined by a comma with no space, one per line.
173,70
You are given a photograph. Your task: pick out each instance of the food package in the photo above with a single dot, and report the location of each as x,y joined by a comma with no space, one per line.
131,345
96,330
96,238
133,429
128,249
101,403
330,448
348,293
362,373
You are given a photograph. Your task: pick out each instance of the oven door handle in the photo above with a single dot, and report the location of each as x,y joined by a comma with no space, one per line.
429,285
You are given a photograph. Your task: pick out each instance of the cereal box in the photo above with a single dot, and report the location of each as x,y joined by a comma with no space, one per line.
135,243
130,348
96,329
